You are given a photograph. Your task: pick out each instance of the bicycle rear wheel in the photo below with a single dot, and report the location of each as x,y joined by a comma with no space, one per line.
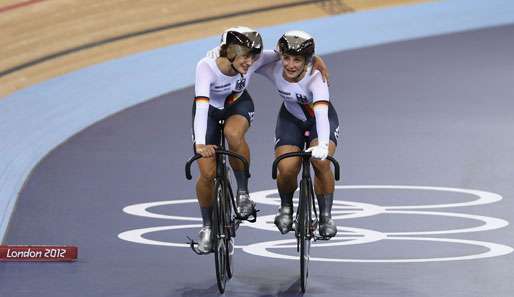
304,216
219,238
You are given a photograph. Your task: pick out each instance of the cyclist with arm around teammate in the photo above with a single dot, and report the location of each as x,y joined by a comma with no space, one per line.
220,94
306,116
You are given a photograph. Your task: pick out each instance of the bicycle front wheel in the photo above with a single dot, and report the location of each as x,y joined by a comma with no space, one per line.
219,238
230,221
304,216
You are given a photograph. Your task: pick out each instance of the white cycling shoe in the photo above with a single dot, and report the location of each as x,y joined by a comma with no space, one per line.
205,240
245,206
284,219
327,227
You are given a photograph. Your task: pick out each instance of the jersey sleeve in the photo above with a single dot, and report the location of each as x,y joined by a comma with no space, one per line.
320,98
319,88
267,57
204,78
267,71
322,122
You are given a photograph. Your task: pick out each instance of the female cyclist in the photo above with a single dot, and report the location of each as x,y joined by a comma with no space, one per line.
306,117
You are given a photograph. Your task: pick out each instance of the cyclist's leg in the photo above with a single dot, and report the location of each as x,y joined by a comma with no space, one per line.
205,182
288,170
287,183
207,166
324,189
288,138
204,193
204,185
324,178
238,119
235,130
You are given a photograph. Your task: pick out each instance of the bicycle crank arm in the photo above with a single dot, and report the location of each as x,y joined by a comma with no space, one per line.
316,238
193,245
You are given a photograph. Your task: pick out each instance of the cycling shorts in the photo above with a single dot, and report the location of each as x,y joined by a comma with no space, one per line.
293,131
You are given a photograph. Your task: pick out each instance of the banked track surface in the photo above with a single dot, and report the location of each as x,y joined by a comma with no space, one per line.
429,112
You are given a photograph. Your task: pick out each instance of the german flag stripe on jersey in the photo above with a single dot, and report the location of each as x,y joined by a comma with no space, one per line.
308,109
232,98
201,99
321,103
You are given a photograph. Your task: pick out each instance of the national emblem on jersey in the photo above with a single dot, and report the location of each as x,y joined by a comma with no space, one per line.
302,98
240,84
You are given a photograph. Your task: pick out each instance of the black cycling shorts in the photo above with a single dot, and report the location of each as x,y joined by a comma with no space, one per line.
292,131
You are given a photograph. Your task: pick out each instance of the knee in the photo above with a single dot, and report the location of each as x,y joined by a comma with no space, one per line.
321,166
287,172
234,136
207,174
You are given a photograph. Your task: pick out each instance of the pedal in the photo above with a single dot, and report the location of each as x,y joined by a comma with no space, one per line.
316,238
252,218
253,215
193,245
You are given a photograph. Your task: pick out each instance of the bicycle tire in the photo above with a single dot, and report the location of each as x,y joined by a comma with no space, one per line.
219,244
230,224
304,209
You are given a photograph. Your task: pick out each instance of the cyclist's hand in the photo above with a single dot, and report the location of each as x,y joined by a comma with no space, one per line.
319,64
319,151
213,53
207,151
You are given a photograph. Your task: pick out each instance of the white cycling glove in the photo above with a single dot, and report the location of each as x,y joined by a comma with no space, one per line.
213,53
319,151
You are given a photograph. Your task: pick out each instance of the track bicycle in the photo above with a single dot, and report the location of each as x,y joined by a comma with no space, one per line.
306,220
224,224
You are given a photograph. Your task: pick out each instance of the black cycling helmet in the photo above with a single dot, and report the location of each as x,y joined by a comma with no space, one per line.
298,43
244,40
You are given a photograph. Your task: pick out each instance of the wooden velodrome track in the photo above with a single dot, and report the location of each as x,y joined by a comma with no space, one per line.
41,39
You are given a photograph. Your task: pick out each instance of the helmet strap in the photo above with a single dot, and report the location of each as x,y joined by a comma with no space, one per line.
232,65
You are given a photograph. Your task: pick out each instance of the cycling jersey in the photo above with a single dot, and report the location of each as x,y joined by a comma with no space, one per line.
301,100
299,97
213,88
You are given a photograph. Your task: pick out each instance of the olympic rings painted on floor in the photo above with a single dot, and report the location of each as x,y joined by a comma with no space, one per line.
346,210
